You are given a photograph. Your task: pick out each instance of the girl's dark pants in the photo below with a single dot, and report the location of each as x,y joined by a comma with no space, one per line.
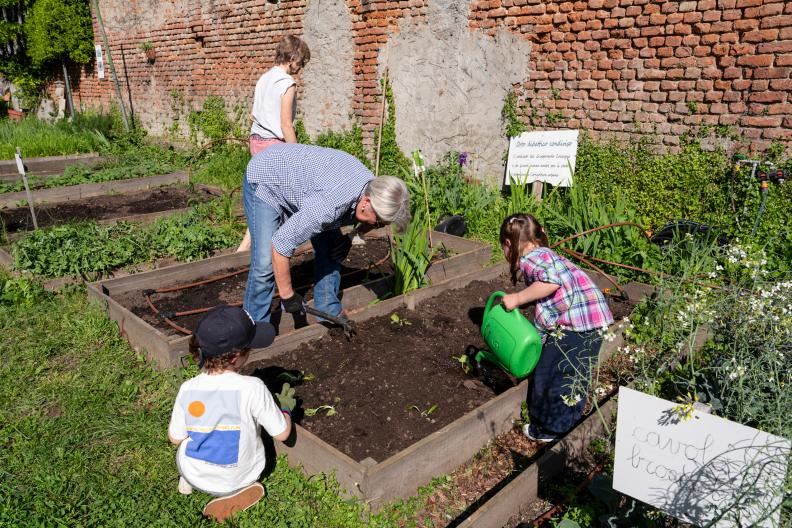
564,369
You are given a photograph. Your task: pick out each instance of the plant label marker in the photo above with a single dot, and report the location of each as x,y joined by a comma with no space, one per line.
542,156
700,468
21,169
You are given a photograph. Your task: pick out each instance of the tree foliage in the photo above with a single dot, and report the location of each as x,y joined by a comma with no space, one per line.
59,30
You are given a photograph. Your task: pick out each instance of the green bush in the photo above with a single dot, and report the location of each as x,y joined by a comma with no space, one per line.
89,132
212,123
91,250
661,187
350,141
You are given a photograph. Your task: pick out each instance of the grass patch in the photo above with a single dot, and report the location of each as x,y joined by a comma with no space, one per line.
88,132
84,435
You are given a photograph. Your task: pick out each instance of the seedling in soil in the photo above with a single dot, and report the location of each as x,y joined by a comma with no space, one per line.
464,361
330,410
425,413
296,378
395,319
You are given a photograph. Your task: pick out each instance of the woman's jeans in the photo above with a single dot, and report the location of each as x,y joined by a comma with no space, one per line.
263,222
561,375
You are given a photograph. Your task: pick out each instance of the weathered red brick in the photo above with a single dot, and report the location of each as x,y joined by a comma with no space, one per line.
760,121
755,60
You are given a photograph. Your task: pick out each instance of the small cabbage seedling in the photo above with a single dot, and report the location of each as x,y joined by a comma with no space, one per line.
395,319
464,361
425,413
330,410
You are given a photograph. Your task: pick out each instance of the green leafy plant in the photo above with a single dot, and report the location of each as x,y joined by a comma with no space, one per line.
411,255
399,321
425,412
330,410
392,159
513,126
464,362
212,122
146,45
91,250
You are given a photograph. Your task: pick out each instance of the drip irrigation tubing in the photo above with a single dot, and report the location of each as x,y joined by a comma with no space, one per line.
585,258
168,317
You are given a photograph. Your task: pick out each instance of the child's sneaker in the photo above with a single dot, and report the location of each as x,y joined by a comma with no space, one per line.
224,507
535,434
184,487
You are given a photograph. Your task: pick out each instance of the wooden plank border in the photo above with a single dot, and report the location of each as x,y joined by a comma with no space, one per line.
87,190
468,256
47,166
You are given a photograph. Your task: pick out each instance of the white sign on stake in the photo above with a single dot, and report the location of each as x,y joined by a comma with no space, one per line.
99,61
704,470
544,156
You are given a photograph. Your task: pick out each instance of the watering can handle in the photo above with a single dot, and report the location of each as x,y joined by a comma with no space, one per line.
492,298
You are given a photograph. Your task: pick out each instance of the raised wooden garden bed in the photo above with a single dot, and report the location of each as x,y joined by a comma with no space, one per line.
47,166
87,190
138,207
124,299
405,411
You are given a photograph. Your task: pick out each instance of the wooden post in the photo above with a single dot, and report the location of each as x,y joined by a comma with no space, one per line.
382,121
68,89
121,105
536,190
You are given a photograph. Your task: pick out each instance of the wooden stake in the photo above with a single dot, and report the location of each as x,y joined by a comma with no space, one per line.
121,104
537,190
21,169
382,120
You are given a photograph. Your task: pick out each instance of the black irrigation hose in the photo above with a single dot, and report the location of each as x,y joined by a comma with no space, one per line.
168,317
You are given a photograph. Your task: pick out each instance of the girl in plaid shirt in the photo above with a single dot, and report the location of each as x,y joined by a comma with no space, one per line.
570,314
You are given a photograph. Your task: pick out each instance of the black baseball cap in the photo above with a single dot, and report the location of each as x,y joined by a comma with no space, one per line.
225,328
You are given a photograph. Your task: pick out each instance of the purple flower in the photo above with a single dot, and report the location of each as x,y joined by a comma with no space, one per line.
463,158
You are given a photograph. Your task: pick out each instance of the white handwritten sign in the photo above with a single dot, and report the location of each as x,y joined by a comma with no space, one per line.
702,470
99,61
544,156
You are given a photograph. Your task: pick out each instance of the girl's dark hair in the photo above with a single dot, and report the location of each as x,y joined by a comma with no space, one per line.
292,49
216,364
519,229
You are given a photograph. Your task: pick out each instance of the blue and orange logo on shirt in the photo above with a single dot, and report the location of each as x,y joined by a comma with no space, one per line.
213,425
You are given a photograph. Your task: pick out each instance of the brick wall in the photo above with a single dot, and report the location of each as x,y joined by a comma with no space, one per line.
623,66
615,67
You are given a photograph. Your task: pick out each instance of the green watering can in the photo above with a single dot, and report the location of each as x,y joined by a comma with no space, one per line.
514,344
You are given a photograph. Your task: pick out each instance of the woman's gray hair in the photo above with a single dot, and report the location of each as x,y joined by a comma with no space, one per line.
390,199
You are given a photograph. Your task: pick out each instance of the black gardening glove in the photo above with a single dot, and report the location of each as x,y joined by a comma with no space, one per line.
340,250
293,304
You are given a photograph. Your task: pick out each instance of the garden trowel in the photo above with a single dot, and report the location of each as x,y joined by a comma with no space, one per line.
346,324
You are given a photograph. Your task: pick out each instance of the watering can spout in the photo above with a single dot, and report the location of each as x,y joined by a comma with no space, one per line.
514,344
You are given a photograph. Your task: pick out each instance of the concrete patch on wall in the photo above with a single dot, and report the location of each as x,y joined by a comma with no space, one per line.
142,16
328,77
449,84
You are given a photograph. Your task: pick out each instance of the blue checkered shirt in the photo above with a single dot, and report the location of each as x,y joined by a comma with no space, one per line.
314,188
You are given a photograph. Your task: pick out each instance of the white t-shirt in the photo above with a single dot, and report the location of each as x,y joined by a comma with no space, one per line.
267,103
219,416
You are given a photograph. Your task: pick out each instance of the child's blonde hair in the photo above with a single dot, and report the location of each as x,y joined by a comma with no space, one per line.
519,229
292,49
217,364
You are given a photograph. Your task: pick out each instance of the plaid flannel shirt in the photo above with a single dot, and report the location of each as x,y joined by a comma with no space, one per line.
315,189
578,304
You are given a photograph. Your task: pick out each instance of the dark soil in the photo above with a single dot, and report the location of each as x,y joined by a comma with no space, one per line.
358,268
103,207
399,379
